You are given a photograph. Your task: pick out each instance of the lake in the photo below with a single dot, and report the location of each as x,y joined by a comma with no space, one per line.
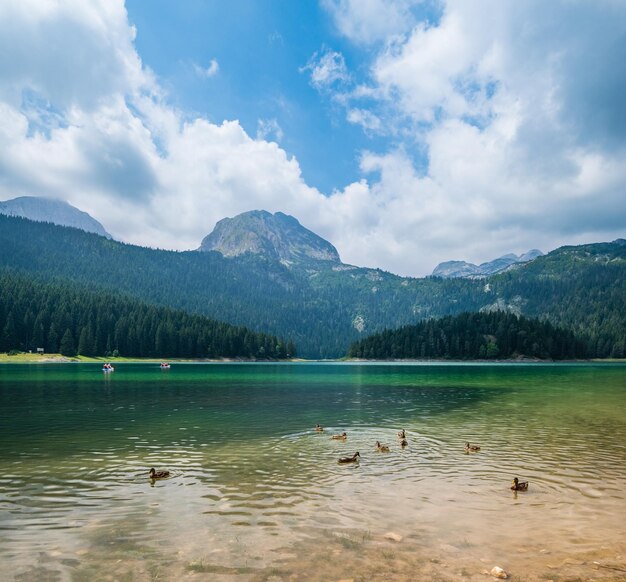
256,494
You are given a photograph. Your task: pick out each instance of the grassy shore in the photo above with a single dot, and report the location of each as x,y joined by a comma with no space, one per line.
28,358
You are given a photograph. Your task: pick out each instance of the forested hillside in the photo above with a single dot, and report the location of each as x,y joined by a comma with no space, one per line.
582,288
321,308
72,320
325,306
471,336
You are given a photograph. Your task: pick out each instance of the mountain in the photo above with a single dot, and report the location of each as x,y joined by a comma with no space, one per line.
450,269
54,211
323,305
530,256
274,236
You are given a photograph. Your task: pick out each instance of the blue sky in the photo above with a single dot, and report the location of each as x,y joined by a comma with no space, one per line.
406,132
261,49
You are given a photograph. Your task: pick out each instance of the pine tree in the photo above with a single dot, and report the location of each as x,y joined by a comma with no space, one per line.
85,343
52,345
8,340
68,347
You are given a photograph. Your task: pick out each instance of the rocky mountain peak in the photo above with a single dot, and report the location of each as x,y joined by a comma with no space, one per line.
463,269
277,236
55,211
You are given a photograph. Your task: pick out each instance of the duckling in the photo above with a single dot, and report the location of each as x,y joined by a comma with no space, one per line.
353,459
519,485
319,428
404,443
339,437
158,474
472,448
402,434
381,448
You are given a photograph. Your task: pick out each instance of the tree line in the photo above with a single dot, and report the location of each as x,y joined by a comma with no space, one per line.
70,319
470,336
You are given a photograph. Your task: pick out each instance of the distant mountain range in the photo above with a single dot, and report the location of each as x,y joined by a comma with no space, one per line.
274,236
450,269
54,211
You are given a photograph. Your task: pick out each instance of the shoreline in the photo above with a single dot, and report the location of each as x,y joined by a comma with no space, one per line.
28,358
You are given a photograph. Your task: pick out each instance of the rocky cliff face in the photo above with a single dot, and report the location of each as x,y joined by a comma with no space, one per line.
451,269
277,236
54,211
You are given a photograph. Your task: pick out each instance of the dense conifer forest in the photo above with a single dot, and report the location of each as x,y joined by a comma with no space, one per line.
69,319
471,336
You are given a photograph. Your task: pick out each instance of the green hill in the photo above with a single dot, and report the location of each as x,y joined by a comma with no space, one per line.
471,336
324,306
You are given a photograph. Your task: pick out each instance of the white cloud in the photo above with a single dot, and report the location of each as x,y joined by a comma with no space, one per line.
491,95
74,53
367,21
268,129
327,68
513,111
366,119
207,72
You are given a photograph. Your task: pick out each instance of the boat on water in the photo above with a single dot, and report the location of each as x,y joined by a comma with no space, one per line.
165,366
108,368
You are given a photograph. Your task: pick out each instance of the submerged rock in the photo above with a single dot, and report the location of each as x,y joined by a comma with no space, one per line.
498,572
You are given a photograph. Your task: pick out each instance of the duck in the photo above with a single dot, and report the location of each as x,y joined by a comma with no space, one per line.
519,485
319,428
158,474
339,437
404,443
353,459
401,434
472,448
381,448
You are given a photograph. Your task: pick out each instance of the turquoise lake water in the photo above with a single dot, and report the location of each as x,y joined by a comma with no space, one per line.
256,493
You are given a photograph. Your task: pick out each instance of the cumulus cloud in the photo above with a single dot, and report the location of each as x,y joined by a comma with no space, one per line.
73,53
520,119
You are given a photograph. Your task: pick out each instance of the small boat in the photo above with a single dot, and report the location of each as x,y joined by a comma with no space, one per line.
165,366
108,368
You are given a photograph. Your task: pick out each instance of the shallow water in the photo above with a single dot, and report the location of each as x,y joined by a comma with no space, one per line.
255,493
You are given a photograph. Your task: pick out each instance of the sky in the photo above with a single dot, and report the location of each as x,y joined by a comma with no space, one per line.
405,132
